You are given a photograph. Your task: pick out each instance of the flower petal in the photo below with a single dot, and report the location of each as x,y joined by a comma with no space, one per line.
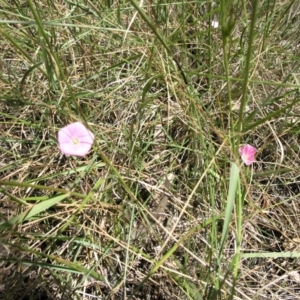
69,133
64,136
247,154
80,149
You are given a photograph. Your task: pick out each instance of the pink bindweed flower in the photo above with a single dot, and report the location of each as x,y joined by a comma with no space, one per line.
75,139
247,154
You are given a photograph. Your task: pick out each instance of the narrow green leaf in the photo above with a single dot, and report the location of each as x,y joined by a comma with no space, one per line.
233,180
31,212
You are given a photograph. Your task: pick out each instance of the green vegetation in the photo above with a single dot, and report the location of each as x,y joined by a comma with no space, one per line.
162,206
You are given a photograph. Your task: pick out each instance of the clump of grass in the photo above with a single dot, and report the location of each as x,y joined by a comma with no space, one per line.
162,207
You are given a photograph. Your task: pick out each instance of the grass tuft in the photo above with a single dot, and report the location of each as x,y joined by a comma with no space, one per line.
162,207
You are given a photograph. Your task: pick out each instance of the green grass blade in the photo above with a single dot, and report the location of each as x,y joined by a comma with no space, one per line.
32,211
233,182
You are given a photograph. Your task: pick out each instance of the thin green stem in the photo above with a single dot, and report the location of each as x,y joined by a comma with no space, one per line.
244,100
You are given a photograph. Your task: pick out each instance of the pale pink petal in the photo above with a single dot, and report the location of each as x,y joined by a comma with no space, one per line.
241,149
64,136
77,128
248,160
247,154
82,132
88,138
250,149
77,150
75,131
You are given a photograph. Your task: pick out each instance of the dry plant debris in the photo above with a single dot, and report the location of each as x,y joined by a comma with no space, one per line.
144,212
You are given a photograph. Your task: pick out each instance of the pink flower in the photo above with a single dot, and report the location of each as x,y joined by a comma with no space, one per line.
75,139
247,154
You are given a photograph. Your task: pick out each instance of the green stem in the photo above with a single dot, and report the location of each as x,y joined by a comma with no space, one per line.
239,126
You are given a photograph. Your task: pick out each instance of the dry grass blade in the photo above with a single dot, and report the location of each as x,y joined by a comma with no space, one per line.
153,210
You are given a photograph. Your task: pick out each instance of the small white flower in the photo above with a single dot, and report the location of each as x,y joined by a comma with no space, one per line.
215,24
